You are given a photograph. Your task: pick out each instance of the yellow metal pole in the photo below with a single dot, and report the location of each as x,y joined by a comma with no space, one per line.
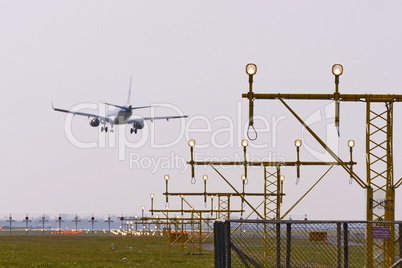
390,192
369,200
278,193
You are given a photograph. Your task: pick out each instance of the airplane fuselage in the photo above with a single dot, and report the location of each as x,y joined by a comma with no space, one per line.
120,116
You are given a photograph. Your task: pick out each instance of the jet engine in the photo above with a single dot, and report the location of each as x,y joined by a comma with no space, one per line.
94,122
139,124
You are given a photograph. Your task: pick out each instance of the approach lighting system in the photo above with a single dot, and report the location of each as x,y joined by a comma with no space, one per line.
244,143
167,177
251,69
191,143
351,143
152,204
282,179
298,143
205,178
337,69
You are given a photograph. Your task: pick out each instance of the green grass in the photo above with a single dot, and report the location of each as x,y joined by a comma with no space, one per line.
97,251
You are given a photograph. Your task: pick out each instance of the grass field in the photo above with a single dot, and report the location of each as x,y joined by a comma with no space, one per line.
97,251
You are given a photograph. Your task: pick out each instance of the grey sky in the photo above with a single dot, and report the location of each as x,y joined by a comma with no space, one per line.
190,54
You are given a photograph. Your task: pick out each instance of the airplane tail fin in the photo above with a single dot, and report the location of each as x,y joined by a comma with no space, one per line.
129,92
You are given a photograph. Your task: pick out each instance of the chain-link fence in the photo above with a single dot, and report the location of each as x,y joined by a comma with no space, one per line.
245,243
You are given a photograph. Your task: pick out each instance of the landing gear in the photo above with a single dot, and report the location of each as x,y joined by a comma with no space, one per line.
133,130
104,129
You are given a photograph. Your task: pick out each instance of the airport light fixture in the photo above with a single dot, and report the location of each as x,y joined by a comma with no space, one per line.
245,143
205,178
109,220
351,144
76,220
167,177
26,220
244,182
10,220
191,143
43,220
59,220
251,70
152,204
92,221
298,144
337,70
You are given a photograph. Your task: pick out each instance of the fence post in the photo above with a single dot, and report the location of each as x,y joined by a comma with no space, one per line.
219,244
228,245
345,245
338,245
288,243
278,245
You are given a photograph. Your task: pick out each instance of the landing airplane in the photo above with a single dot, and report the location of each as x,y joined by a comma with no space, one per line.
120,116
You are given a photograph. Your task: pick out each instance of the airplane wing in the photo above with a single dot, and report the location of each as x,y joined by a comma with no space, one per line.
82,114
155,118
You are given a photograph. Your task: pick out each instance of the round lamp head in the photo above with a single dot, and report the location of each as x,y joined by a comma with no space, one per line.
205,177
142,207
243,177
191,143
244,143
251,69
152,195
166,177
351,143
298,143
337,69
282,178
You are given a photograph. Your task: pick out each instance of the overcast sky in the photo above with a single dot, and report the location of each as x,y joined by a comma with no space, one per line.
190,56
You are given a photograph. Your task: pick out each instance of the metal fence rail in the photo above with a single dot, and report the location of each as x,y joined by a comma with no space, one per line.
246,243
